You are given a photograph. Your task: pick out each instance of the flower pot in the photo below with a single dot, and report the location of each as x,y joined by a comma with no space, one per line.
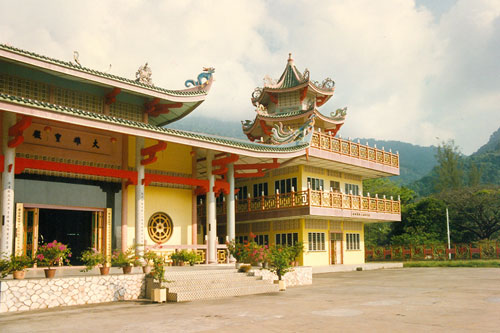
49,273
127,269
104,270
237,265
181,263
281,283
159,295
18,275
146,269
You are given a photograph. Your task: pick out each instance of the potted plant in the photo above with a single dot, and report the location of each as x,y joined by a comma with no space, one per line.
192,257
159,294
18,264
126,260
238,252
279,263
4,267
92,258
52,254
295,252
148,257
176,257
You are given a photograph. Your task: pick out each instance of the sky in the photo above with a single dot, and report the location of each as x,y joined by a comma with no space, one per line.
419,71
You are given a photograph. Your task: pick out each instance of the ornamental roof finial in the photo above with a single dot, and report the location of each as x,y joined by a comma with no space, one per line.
290,57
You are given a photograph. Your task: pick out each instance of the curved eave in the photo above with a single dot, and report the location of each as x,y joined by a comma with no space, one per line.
107,123
327,119
275,119
324,92
73,72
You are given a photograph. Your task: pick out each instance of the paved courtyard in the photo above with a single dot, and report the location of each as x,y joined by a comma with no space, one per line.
393,300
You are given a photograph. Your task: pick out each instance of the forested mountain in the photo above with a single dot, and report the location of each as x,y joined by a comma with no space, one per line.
480,168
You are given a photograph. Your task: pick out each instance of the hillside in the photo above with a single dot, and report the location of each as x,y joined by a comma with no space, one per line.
486,159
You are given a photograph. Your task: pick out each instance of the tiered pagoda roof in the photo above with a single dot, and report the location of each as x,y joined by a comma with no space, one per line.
290,105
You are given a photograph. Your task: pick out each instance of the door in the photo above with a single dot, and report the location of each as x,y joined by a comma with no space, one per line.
26,236
335,248
101,232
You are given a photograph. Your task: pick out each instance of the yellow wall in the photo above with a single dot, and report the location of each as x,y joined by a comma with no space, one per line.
177,203
269,179
176,158
315,258
354,256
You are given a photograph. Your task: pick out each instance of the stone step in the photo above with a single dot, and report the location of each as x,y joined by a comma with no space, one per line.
216,279
200,293
201,275
210,284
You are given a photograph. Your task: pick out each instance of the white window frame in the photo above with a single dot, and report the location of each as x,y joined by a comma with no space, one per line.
353,241
286,239
316,241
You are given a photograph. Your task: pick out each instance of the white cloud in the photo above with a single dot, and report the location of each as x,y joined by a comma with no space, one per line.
403,73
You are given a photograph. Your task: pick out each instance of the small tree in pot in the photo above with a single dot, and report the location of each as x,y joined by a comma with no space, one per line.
159,294
92,258
18,264
279,263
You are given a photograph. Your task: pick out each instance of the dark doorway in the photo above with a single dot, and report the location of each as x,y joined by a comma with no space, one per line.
70,227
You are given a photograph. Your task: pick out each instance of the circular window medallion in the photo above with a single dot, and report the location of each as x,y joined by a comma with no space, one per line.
160,227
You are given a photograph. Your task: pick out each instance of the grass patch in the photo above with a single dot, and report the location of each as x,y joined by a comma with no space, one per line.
453,263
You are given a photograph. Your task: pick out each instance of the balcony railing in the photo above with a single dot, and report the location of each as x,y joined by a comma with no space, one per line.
328,142
311,198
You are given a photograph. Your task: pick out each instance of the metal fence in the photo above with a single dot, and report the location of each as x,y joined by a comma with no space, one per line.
480,250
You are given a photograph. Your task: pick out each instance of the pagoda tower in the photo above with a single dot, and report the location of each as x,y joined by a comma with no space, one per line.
287,109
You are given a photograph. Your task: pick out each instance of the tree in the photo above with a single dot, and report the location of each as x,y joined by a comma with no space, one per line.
475,210
421,222
474,174
450,167
379,233
385,186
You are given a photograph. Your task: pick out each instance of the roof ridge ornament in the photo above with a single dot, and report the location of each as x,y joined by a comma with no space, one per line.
281,136
205,75
143,75
76,55
339,114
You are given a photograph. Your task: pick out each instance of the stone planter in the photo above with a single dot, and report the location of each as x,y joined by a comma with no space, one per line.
18,275
281,283
49,273
104,270
159,295
127,269
146,269
237,265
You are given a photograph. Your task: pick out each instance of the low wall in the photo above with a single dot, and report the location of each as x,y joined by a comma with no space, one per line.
300,276
32,294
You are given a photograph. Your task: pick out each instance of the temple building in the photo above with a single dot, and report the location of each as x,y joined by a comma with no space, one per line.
86,161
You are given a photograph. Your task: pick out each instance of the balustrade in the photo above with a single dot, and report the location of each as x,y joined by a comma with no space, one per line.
326,199
345,147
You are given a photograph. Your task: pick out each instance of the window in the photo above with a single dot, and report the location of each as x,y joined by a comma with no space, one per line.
241,239
316,183
353,188
242,193
258,189
262,239
316,241
335,186
352,241
287,239
285,185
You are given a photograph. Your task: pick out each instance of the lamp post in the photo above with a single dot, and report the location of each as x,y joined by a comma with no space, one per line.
448,230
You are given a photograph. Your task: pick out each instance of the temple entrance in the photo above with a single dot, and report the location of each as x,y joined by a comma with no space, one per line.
79,228
70,227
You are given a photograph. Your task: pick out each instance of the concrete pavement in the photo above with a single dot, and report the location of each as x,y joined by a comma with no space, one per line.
391,300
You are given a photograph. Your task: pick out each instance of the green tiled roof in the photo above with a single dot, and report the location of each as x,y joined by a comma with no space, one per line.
236,143
290,78
71,65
